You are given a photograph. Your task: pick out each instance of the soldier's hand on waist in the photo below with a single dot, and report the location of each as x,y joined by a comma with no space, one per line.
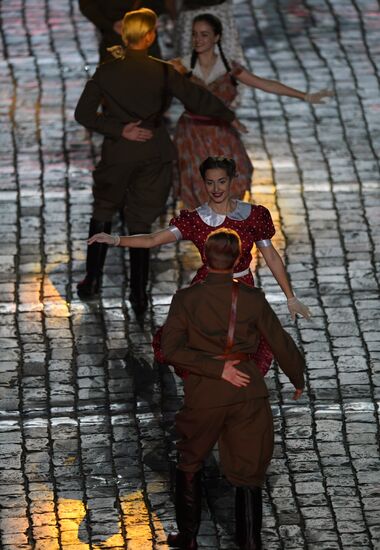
297,394
133,132
233,375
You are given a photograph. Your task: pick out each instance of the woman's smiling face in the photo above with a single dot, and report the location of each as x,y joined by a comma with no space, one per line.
217,185
204,38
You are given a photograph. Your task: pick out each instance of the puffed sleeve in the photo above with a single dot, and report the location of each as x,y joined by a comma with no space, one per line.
263,226
182,225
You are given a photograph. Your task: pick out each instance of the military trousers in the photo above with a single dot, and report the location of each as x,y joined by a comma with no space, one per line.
244,432
139,188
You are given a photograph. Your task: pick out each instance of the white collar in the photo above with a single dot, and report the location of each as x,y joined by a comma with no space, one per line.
208,216
218,69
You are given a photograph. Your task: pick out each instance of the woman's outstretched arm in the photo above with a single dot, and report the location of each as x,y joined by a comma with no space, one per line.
276,265
148,240
276,87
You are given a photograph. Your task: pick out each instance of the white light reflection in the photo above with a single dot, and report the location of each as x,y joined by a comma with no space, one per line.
293,409
327,408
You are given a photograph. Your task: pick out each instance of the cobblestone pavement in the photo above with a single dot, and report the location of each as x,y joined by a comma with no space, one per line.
86,448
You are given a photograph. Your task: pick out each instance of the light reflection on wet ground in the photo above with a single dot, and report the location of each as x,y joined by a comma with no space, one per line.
86,448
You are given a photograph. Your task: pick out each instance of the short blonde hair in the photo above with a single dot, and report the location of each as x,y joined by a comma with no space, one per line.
136,24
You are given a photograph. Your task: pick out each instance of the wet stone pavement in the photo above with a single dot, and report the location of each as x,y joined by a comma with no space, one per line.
87,444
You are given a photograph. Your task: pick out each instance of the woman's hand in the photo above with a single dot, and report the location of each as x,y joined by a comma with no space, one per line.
178,65
133,132
112,240
317,97
296,306
239,126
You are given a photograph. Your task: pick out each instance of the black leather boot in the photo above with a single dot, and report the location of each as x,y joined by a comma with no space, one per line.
96,256
139,273
188,507
248,515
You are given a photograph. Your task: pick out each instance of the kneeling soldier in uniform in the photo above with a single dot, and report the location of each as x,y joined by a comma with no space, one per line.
211,331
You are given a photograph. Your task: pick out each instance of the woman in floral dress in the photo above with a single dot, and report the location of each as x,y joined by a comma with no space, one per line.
197,137
223,10
252,222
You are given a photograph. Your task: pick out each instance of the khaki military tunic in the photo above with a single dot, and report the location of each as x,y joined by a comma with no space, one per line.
214,410
137,175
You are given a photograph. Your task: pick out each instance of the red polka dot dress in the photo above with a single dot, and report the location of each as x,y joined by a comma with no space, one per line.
254,225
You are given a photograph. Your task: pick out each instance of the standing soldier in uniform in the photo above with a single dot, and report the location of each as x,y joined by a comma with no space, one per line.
135,169
212,338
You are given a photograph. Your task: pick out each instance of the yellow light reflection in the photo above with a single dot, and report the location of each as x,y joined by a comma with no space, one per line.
135,518
50,300
264,192
53,301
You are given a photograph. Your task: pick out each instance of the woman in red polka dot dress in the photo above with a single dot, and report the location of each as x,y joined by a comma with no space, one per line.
252,222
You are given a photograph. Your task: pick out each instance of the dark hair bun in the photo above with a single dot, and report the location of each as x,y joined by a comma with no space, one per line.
224,163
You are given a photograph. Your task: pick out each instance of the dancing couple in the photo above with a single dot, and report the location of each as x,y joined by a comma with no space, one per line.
135,170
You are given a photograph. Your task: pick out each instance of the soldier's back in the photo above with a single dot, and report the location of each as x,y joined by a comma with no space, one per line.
134,83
